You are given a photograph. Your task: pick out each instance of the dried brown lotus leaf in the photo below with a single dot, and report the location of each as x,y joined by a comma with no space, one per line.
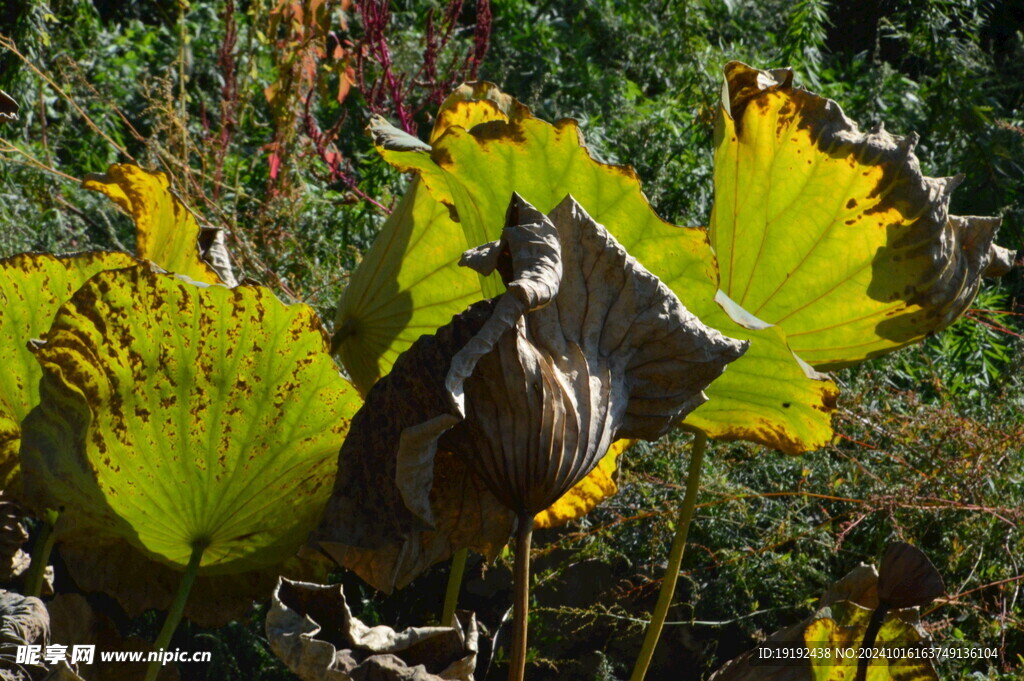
588,493
23,621
529,390
585,348
366,526
310,627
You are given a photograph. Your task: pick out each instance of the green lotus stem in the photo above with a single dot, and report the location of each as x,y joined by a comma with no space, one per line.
451,594
41,554
675,559
163,640
521,604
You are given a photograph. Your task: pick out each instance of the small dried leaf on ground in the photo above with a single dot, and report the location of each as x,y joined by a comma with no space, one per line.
311,628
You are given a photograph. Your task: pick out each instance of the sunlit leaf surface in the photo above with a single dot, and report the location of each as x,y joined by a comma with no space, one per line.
166,232
831,640
174,414
406,286
32,287
832,233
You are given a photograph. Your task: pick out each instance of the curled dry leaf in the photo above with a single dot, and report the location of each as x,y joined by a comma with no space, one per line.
527,391
832,233
23,621
310,627
13,561
587,493
584,348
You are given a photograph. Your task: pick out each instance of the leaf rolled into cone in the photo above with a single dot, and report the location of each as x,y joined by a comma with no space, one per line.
517,399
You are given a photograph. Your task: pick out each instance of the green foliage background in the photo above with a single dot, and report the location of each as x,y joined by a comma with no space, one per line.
930,445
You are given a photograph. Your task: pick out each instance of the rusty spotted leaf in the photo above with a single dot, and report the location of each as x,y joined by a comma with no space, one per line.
166,232
32,287
833,233
173,414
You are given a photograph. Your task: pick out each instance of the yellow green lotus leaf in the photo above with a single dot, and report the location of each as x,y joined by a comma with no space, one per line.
475,172
32,287
832,642
166,232
175,414
586,494
833,233
408,284
471,104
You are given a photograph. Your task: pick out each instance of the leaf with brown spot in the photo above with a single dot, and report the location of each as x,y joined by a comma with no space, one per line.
166,232
32,287
832,233
249,484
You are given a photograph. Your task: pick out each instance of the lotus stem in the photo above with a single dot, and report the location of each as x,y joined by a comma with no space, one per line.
675,558
521,604
163,640
41,554
451,594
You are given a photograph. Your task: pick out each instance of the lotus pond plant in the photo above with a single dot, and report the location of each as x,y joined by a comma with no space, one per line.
184,429
527,390
523,317
827,246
